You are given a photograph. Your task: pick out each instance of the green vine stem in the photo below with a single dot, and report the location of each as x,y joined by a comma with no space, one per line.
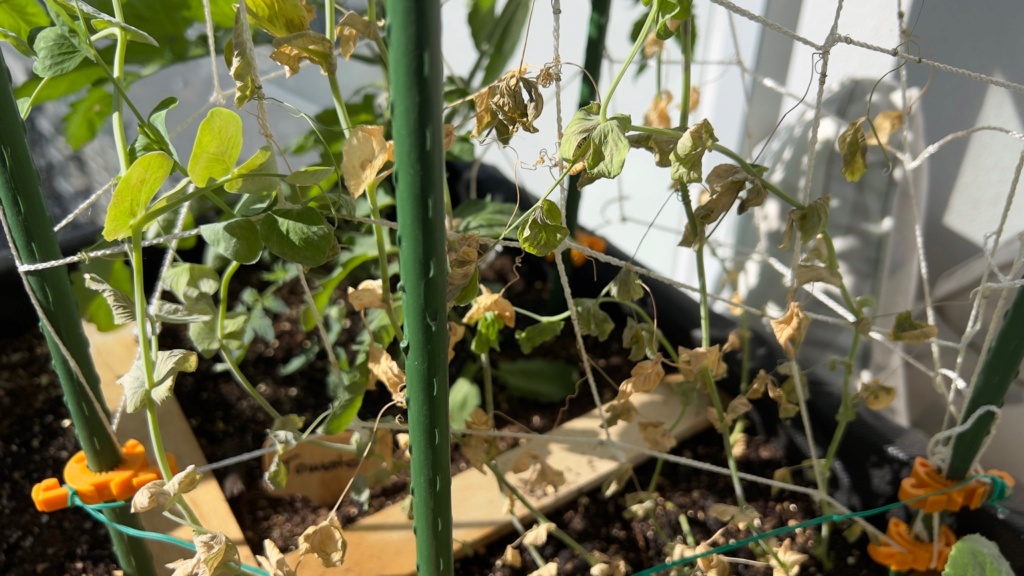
651,18
332,77
117,117
239,377
488,378
382,259
414,38
32,238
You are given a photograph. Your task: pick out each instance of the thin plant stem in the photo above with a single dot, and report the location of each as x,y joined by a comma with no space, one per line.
371,15
239,377
117,117
488,377
655,6
382,259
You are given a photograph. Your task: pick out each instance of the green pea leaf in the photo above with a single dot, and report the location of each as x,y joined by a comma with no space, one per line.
191,281
608,148
262,162
853,145
134,192
533,336
161,141
309,176
593,320
217,146
59,86
689,152
100,21
975,555
538,379
626,286
481,22
543,232
87,116
238,239
17,19
57,52
640,339
463,397
487,333
169,363
298,235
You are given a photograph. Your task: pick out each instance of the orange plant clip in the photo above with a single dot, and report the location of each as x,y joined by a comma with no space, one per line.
909,553
119,484
924,479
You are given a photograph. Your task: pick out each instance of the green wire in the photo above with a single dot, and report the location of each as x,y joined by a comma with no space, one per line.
999,491
93,510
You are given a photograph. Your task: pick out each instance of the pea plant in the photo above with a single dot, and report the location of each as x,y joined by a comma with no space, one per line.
327,227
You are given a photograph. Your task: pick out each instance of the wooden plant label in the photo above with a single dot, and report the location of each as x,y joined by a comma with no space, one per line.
318,472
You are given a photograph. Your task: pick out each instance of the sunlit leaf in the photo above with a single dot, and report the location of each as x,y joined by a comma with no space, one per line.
543,232
853,146
58,52
534,336
238,239
134,192
217,146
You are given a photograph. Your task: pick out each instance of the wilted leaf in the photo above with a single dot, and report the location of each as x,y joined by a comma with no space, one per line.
478,449
661,146
787,409
626,286
640,339
784,474
290,51
657,115
657,436
365,152
906,329
489,302
456,332
808,222
486,117
791,328
886,123
542,233
807,273
593,321
578,131
463,257
348,31
516,102
640,506
149,496
759,386
692,362
274,562
737,407
327,541
734,515
620,409
168,364
608,148
644,377
853,146
369,294
244,70
756,195
385,369
877,395
183,482
538,534
214,552
122,308
280,17
689,152
511,558
790,560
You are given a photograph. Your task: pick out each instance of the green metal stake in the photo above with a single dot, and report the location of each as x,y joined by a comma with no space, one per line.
414,41
32,230
997,373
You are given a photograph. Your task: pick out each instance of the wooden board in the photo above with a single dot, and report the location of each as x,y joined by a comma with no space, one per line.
113,354
383,544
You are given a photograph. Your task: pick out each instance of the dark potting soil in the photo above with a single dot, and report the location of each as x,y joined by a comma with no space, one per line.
36,439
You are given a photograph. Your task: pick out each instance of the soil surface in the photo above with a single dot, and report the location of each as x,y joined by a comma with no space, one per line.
36,439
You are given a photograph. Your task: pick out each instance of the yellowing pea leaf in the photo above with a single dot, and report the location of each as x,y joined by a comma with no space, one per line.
384,368
134,192
243,66
369,294
791,328
645,376
280,17
217,146
538,535
365,153
786,561
807,273
621,409
886,123
853,146
906,329
349,29
511,558
739,517
290,51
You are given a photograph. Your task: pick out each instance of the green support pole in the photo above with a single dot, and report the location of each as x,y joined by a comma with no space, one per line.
32,230
414,41
997,373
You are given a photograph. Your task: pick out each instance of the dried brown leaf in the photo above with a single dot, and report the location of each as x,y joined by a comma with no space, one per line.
886,123
790,560
369,294
877,395
906,329
657,115
365,153
657,436
644,377
327,541
734,515
274,562
620,409
489,302
456,332
791,328
385,369
290,51
511,558
349,29
538,534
